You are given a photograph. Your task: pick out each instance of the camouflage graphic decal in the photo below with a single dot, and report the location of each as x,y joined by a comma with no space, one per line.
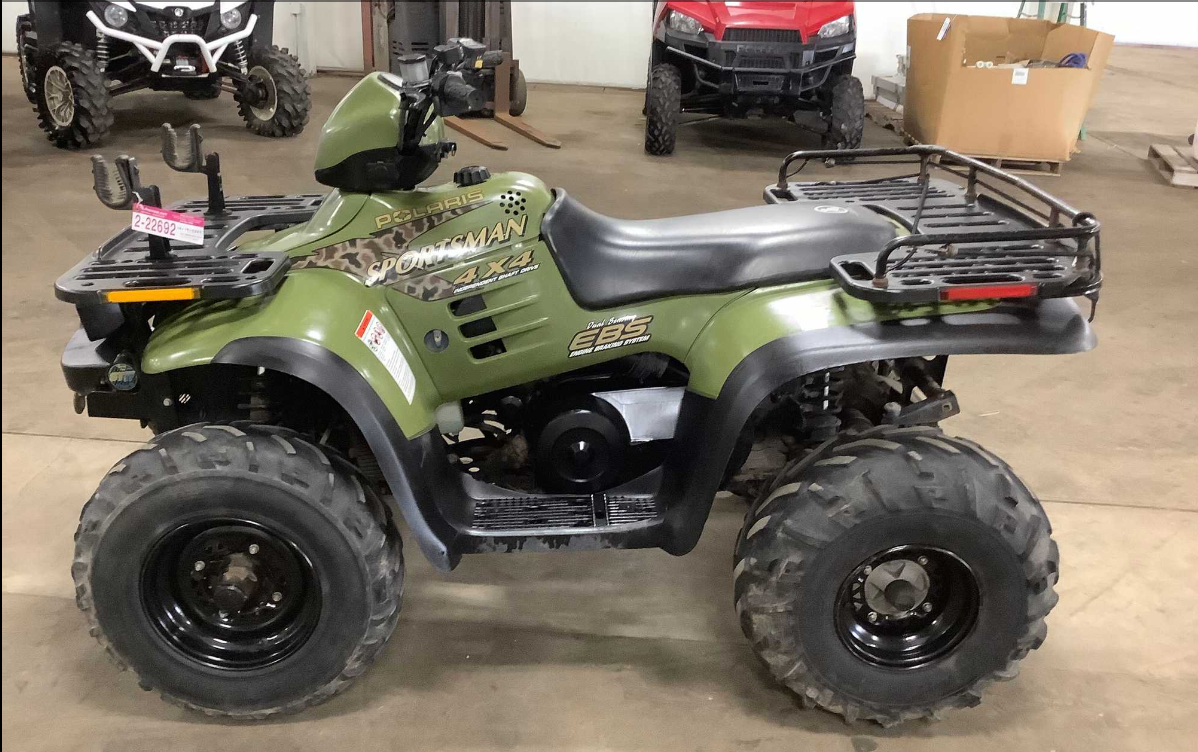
357,255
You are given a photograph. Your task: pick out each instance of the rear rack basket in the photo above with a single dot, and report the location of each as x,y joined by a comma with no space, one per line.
973,231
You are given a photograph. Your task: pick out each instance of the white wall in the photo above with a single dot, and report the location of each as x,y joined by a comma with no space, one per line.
332,38
583,43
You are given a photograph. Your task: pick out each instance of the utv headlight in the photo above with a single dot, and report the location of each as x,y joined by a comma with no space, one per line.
683,23
231,19
836,28
115,16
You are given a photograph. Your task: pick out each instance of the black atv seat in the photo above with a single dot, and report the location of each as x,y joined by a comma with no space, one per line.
608,262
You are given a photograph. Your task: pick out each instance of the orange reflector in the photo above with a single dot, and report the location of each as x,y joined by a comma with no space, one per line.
147,296
986,292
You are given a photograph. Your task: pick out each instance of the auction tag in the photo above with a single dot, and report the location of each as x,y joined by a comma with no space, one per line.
1019,76
376,337
186,228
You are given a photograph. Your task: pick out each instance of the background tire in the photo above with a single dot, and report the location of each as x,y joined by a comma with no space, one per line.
255,477
662,109
86,119
804,542
847,114
210,90
26,59
290,102
519,94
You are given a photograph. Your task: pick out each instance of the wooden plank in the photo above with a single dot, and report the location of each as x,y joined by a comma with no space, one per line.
470,130
367,36
1175,160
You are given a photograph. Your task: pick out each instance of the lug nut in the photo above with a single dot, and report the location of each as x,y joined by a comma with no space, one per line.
199,566
867,570
927,607
873,617
923,561
224,614
253,549
276,596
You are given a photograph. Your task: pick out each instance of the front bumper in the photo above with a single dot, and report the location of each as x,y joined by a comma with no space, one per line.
88,366
763,68
155,50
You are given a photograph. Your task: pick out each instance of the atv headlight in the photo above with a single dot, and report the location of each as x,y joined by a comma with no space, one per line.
115,16
836,28
683,23
231,19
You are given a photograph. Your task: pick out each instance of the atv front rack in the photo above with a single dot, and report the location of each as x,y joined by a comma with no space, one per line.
121,270
975,233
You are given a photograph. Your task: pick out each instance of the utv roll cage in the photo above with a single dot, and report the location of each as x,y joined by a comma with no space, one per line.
975,233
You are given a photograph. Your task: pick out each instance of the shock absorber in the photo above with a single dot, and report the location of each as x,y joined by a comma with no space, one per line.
820,398
102,51
239,56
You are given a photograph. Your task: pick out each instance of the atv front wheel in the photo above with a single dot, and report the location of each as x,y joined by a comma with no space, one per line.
895,574
240,570
277,99
846,117
662,109
25,58
72,97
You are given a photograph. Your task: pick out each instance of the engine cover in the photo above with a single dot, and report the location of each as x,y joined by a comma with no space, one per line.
581,450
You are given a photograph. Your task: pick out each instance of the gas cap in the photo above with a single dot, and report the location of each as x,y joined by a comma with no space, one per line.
472,175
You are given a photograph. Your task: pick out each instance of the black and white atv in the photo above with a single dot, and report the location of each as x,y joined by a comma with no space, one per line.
76,56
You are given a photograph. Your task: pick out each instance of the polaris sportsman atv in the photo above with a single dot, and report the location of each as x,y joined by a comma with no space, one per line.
75,57
511,371
735,60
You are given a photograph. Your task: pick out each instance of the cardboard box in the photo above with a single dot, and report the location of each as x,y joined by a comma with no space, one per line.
1015,112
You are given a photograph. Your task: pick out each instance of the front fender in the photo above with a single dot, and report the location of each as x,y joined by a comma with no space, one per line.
309,329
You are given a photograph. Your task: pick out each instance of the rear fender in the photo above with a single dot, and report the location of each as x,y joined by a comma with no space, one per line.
309,329
766,339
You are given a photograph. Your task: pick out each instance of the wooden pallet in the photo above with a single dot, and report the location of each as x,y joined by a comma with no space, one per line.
1175,165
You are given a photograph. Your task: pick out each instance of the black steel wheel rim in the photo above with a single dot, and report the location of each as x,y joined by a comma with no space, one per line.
907,606
230,593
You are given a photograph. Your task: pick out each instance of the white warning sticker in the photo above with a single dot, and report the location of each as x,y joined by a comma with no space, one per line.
375,336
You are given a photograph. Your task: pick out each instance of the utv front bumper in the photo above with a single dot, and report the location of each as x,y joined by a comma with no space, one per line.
156,50
770,68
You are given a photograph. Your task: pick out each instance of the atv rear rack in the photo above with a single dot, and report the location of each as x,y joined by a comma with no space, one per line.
967,238
121,270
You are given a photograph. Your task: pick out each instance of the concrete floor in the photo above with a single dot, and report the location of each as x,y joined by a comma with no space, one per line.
641,650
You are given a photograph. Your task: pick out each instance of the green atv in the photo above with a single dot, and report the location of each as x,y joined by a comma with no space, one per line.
510,371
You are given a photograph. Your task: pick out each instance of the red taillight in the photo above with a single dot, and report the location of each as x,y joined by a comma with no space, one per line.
986,292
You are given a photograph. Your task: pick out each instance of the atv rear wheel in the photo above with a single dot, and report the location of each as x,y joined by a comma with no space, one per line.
240,570
860,575
846,119
277,101
72,97
662,109
26,58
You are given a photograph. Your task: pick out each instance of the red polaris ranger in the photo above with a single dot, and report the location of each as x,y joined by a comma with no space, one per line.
792,60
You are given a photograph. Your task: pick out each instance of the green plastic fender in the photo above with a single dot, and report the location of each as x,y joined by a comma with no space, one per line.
766,314
322,306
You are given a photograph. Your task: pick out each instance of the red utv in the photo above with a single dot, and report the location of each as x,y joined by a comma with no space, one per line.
792,60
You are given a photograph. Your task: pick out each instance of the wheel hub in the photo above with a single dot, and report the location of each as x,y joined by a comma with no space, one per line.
896,587
907,606
262,95
230,593
60,96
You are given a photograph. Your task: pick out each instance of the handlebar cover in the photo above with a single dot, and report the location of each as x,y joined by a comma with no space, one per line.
459,97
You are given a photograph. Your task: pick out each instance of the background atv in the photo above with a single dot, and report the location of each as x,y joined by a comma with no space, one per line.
514,372
792,60
76,56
